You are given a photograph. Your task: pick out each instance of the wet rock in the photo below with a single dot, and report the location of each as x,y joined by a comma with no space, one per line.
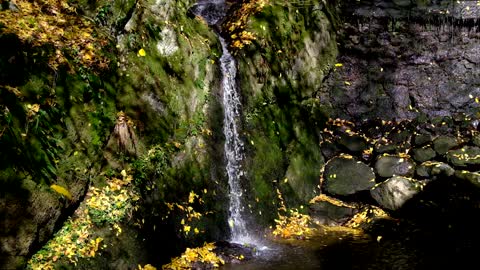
466,156
472,177
476,140
444,143
330,211
345,176
423,154
394,192
385,148
400,137
429,169
212,12
232,252
329,149
388,166
422,139
354,143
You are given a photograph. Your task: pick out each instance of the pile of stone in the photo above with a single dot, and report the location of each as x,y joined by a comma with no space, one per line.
384,164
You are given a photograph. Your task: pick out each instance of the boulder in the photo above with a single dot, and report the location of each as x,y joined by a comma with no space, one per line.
422,139
330,211
382,148
388,166
472,177
429,169
329,149
423,154
466,156
345,175
394,192
353,143
444,143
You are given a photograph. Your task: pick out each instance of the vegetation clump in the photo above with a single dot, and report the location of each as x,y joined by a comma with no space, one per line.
236,26
56,23
191,256
77,238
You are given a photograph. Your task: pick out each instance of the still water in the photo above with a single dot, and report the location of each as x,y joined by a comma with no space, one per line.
340,250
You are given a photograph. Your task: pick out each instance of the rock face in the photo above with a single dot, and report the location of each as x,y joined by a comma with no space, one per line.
394,192
164,91
277,74
401,60
346,176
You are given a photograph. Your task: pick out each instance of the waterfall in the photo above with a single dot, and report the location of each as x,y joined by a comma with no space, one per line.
213,11
233,146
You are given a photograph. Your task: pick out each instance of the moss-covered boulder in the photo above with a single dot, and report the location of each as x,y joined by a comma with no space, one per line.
472,177
420,139
442,144
345,175
353,143
388,166
423,154
429,169
466,156
330,211
394,192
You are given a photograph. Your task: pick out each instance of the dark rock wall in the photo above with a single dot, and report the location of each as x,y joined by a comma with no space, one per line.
402,59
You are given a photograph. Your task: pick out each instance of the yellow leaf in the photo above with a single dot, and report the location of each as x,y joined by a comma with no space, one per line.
196,231
191,197
339,65
61,190
347,83
186,229
142,52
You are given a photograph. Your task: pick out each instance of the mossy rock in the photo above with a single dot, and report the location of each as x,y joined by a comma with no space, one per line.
394,192
476,140
329,149
423,154
353,143
429,169
345,175
388,166
444,143
472,177
328,213
385,148
422,139
466,156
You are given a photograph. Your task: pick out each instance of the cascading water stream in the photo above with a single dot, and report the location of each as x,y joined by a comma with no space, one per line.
213,11
233,146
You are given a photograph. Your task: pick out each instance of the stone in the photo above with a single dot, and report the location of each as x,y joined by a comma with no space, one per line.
442,144
385,148
476,140
330,211
472,177
329,149
354,143
429,169
466,156
423,154
422,139
388,166
394,192
345,176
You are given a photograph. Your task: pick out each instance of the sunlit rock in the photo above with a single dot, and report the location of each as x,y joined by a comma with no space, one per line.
345,176
444,143
394,192
388,166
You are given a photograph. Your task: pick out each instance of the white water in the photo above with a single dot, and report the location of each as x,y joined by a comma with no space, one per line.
233,148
